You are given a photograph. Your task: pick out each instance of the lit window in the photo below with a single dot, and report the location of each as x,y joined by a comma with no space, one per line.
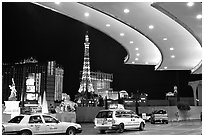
136,59
172,56
164,38
136,48
138,54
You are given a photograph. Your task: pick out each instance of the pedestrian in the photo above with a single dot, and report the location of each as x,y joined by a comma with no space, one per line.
177,116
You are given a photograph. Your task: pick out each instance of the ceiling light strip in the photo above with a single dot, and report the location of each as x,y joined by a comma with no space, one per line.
136,29
164,11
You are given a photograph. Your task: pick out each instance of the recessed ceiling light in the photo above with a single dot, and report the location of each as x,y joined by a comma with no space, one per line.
172,56
57,2
86,14
131,42
122,34
126,10
133,62
107,25
165,67
136,59
190,4
151,26
171,48
146,63
136,48
199,16
164,38
138,54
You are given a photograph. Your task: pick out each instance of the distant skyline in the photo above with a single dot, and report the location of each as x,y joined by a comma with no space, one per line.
29,30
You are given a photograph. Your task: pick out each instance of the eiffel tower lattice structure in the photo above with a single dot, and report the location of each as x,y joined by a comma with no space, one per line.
86,86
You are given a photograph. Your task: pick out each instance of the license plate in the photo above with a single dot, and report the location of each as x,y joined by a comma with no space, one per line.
102,121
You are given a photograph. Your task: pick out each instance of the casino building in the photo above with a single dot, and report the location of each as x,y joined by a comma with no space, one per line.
32,79
102,82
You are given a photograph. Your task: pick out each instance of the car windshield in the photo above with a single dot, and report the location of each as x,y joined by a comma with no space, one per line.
159,112
16,119
105,114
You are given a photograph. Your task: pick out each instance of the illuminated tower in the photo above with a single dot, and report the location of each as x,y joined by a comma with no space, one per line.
86,85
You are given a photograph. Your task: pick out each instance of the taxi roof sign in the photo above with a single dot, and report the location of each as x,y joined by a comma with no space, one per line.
116,106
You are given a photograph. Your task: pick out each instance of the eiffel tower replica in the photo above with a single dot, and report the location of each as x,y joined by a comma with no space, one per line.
86,86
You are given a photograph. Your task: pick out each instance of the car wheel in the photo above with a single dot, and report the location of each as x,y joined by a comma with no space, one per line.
26,132
141,126
121,128
102,131
71,131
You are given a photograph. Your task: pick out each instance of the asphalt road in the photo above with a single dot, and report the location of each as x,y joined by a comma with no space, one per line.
173,128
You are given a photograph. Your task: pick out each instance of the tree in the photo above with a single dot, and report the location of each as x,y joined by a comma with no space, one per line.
183,106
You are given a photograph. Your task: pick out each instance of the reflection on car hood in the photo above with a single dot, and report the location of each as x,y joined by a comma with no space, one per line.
70,124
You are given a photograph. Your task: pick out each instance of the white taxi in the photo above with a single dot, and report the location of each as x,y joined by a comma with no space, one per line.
39,124
118,119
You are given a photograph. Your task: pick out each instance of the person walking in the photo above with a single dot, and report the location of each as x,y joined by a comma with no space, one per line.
177,116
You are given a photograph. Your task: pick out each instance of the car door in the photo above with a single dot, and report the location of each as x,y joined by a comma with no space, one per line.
135,120
132,119
126,119
36,124
52,125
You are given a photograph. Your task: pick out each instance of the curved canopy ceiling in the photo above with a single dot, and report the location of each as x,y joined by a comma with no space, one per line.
165,34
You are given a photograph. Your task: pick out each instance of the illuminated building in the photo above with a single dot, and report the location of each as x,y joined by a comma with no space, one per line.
101,82
32,78
86,84
59,72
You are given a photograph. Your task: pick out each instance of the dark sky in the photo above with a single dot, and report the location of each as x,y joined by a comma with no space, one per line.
32,31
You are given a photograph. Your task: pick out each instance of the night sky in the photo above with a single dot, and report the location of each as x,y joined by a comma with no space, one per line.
32,31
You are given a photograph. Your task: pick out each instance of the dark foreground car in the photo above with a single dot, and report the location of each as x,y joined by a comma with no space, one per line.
39,124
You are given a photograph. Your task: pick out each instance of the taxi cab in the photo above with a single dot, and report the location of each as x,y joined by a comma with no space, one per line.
118,119
39,124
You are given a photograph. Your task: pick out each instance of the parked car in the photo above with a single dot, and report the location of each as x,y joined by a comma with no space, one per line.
160,116
118,119
39,124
